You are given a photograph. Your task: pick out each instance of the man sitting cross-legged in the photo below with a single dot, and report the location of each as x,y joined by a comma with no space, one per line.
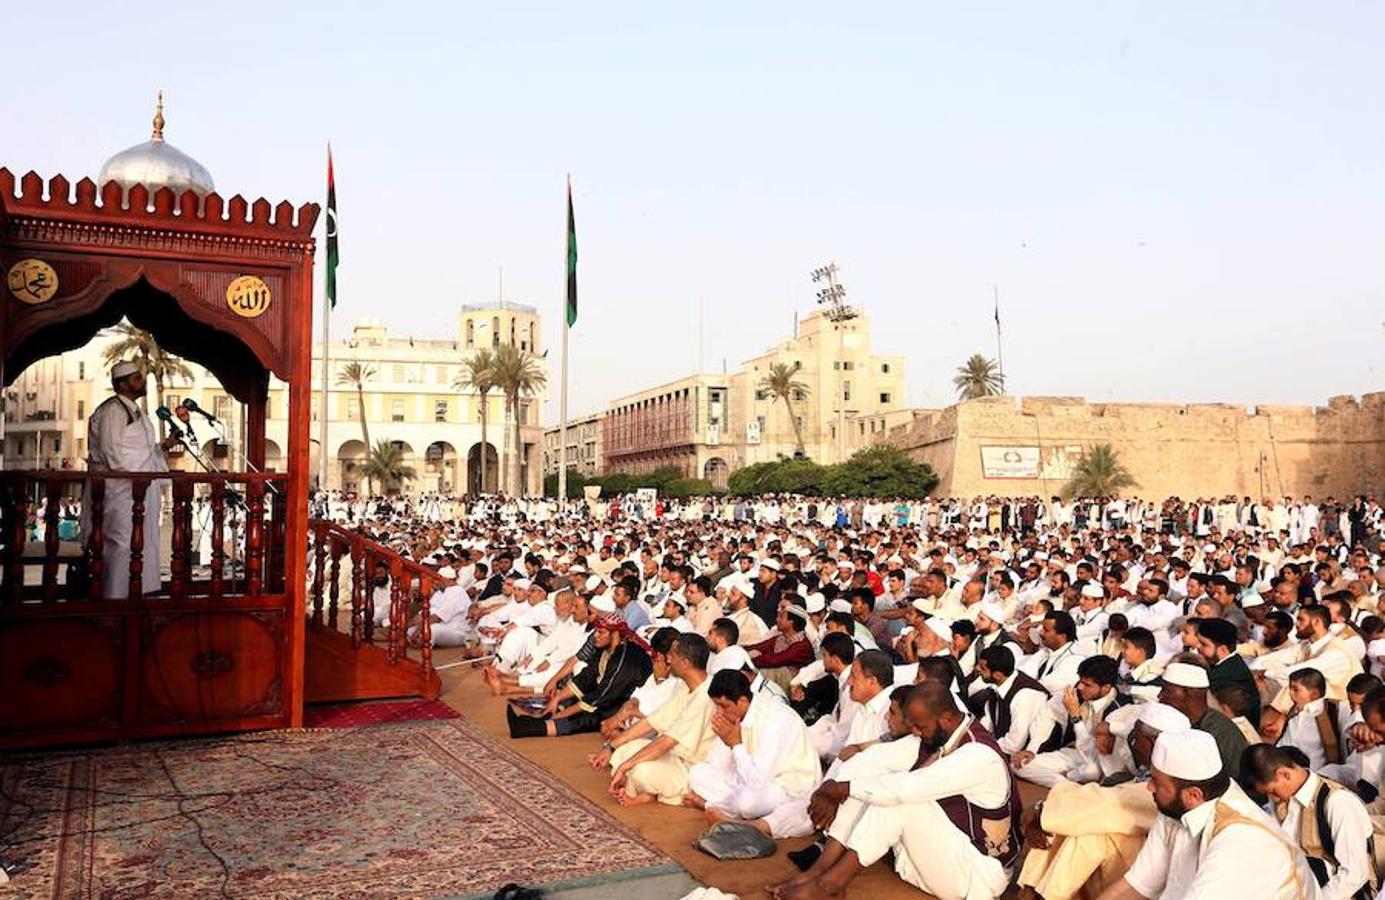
951,815
761,759
550,653
650,760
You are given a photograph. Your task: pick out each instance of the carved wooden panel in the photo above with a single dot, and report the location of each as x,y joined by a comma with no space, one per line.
60,675
201,667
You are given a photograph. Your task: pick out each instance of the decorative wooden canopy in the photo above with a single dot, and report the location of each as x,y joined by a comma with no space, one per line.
166,262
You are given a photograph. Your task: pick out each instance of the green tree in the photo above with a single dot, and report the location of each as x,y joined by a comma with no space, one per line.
881,471
478,374
780,383
683,488
385,464
518,375
1099,473
139,346
356,374
978,377
575,483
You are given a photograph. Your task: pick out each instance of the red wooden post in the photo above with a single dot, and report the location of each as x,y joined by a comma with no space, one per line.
254,538
368,564
406,602
50,540
396,628
425,586
16,537
180,559
96,541
319,533
218,539
359,589
137,488
334,597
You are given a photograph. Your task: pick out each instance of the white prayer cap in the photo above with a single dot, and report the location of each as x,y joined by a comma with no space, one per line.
123,370
1189,756
1186,675
1164,718
768,563
846,564
726,583
993,611
1094,590
742,585
592,583
578,569
940,627
522,584
1041,556
1252,601
797,612
815,603
840,605
1209,548
447,572
677,599
733,658
603,604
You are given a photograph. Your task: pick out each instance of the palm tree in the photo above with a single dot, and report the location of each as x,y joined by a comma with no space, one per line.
358,373
518,374
978,377
1099,473
780,384
478,374
139,346
385,464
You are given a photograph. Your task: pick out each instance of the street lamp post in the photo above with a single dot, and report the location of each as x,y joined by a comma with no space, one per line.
832,297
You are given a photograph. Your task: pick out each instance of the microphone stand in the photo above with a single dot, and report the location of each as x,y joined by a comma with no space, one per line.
236,501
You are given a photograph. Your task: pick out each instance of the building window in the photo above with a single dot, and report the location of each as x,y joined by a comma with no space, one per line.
172,401
846,391
269,407
397,410
81,409
470,334
439,410
884,368
863,429
81,371
221,407
761,394
495,331
533,344
314,409
836,364
57,445
799,396
513,325
885,397
848,365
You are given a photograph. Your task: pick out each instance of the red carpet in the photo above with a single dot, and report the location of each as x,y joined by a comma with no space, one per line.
357,715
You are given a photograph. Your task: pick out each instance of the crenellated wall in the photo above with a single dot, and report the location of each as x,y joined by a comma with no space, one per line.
1188,450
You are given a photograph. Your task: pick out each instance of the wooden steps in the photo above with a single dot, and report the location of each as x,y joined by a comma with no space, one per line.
336,672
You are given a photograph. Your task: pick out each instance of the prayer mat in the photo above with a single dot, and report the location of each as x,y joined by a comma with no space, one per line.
390,712
423,809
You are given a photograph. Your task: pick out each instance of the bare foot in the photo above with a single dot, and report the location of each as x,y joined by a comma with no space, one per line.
626,800
715,815
811,890
691,800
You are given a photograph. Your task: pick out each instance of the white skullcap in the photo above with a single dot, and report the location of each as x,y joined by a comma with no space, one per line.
993,611
815,603
846,564
1164,718
522,584
1041,556
1091,589
797,612
603,604
447,572
1252,601
726,583
678,599
733,658
1186,675
840,605
1189,756
592,583
1209,548
940,627
742,584
578,569
769,564
123,369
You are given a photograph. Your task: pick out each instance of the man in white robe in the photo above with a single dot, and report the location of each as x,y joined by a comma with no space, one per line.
122,439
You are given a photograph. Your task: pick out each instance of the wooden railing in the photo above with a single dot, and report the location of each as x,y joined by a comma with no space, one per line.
411,587
250,504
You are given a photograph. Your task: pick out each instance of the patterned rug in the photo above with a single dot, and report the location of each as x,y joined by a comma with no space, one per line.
423,809
388,712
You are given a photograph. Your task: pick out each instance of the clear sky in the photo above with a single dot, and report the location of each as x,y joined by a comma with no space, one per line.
1178,201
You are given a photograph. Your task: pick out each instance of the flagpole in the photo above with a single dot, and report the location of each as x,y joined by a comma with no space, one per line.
562,391
999,349
322,413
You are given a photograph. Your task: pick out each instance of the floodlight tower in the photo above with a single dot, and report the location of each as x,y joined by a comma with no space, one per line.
832,298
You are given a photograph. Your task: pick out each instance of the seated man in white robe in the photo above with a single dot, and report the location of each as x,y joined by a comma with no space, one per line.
447,611
567,636
752,628
761,758
1076,711
951,814
517,639
649,697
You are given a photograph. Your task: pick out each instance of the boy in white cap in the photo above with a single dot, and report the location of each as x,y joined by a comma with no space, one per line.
1210,840
122,439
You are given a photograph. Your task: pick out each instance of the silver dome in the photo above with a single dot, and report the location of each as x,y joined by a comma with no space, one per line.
157,164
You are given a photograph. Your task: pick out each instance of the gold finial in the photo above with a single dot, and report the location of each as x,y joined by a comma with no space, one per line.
159,120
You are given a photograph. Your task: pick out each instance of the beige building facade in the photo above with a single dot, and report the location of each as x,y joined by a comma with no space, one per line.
1020,446
408,399
584,446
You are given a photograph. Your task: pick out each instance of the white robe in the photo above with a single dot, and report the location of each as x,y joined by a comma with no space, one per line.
121,438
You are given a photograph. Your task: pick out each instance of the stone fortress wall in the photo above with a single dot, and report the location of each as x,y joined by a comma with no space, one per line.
1195,450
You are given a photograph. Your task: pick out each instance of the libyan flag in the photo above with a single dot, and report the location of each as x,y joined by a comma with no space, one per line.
331,233
571,260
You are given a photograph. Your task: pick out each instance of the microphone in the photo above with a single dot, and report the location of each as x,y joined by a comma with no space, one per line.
191,406
182,414
163,413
